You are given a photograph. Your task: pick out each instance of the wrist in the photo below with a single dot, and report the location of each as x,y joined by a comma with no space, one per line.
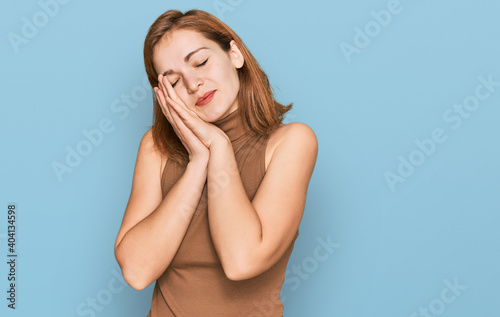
199,161
221,142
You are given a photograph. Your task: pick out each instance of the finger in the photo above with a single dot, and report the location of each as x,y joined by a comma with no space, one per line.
166,109
173,99
172,115
161,101
175,105
181,128
186,115
169,90
182,131
162,84
171,96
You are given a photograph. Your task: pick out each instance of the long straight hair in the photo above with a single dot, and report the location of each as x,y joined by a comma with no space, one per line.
259,111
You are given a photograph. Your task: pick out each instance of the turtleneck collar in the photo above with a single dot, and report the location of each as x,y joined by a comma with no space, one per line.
231,125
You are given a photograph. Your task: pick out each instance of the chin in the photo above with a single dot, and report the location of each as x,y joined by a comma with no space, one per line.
212,115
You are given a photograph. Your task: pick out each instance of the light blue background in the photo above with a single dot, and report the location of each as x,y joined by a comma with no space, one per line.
395,247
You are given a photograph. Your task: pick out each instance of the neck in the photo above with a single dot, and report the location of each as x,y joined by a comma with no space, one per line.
231,125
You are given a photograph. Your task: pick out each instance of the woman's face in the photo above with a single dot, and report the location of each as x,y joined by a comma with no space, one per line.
197,67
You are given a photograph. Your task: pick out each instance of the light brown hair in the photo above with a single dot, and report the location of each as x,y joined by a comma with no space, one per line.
259,111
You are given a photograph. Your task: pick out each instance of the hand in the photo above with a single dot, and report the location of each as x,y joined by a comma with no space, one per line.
196,135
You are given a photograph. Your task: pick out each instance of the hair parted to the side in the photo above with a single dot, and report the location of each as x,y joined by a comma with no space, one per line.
259,111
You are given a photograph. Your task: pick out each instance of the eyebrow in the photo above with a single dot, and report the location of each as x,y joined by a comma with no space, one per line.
186,59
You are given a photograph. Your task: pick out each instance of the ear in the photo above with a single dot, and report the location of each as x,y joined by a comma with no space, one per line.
235,55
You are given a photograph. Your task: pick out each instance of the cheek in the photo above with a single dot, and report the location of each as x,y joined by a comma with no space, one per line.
228,76
181,93
233,79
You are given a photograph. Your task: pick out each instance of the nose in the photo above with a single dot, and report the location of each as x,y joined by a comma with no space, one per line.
193,83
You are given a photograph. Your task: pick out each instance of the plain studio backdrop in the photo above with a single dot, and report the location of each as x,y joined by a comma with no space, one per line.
402,212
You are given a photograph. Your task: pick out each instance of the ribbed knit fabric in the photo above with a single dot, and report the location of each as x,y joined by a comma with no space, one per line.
194,285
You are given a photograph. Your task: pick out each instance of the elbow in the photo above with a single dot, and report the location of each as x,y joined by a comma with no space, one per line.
237,277
134,279
239,271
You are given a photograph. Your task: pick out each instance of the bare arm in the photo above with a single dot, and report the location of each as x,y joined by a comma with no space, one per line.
153,228
251,236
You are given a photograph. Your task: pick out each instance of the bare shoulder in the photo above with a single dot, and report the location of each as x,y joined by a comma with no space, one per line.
147,142
149,151
146,193
296,135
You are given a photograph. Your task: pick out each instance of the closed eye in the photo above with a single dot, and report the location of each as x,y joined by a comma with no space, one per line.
199,65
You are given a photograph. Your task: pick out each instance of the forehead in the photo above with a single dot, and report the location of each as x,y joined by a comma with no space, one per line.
171,50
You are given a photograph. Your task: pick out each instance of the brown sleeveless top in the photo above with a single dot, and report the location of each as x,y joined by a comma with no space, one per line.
194,285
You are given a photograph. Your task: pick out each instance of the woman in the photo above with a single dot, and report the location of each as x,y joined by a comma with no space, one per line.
220,183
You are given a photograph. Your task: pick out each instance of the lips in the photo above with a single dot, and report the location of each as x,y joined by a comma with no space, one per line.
206,98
